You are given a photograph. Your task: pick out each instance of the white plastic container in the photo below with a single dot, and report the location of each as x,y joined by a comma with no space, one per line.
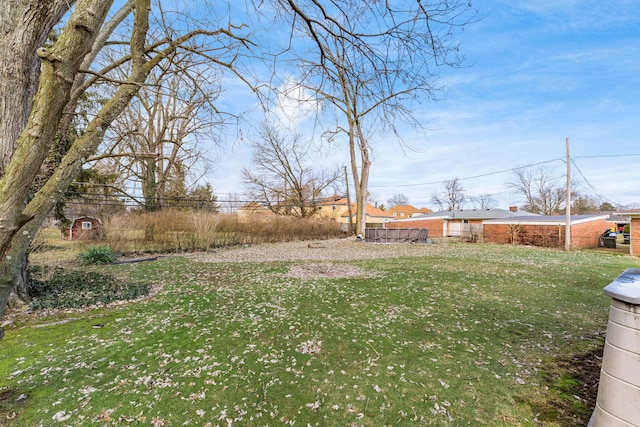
618,403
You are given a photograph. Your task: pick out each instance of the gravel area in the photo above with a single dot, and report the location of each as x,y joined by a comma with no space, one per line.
326,250
320,259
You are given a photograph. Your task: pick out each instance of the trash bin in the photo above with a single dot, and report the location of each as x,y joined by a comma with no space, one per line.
607,239
619,387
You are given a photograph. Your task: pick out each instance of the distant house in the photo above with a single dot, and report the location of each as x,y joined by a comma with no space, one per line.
373,216
83,227
251,211
333,208
406,211
546,230
458,223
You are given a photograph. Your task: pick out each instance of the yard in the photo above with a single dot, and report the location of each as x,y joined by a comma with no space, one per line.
337,333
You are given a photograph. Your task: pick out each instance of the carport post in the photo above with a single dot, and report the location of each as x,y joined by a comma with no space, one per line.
618,403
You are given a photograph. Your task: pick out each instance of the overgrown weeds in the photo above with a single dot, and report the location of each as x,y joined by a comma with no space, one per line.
180,231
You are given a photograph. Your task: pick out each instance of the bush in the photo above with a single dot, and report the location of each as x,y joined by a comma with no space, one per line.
97,255
179,231
73,289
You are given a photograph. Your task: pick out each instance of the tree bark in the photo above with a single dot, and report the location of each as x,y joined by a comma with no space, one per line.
24,26
61,64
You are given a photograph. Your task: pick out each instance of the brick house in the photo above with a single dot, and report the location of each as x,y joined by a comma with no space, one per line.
459,223
546,230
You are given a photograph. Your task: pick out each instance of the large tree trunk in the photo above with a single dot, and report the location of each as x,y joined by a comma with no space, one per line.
360,179
24,26
61,64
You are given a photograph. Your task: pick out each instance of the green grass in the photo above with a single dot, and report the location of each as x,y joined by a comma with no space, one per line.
464,335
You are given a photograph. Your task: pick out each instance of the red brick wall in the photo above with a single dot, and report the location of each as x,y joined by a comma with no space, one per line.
434,225
584,235
635,236
587,235
523,234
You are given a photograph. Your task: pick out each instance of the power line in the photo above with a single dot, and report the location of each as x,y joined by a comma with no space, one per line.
603,156
593,188
472,177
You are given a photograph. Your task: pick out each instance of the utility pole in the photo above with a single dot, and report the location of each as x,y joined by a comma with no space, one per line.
567,231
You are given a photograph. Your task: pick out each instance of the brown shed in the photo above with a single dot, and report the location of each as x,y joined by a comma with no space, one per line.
83,226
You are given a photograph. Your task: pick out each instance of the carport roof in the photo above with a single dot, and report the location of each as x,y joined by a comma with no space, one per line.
546,219
481,214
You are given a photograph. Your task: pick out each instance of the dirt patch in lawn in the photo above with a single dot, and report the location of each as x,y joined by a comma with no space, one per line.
573,382
325,270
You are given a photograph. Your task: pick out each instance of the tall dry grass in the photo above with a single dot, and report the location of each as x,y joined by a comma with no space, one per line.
178,231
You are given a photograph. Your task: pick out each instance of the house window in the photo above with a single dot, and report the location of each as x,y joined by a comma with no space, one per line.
465,221
401,213
86,225
394,214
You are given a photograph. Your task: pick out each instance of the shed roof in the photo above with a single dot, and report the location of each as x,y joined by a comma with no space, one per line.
85,217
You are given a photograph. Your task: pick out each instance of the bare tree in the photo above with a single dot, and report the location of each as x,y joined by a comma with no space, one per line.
370,60
452,197
483,201
58,87
544,190
373,59
398,200
157,138
232,202
281,177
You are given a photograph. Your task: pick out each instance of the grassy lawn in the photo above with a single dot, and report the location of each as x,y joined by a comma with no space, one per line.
445,334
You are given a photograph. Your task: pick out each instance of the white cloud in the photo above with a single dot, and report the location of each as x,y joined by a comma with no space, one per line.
294,105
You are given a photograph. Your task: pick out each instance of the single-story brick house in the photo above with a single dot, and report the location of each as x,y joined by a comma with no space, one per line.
546,230
457,223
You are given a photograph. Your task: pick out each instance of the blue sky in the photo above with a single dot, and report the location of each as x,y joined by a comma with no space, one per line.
535,74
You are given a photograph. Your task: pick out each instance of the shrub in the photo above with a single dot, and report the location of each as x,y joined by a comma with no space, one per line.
73,289
175,231
97,255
